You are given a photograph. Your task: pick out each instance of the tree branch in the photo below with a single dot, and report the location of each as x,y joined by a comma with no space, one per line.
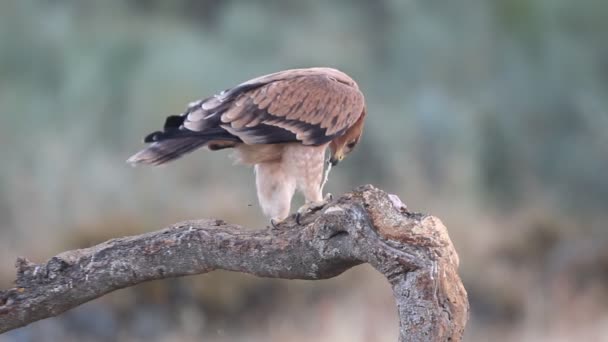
413,251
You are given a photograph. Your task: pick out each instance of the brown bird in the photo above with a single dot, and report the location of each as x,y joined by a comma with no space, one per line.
280,123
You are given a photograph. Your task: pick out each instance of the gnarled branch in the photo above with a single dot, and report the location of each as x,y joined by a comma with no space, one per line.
413,251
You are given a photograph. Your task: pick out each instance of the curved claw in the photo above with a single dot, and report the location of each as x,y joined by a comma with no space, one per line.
298,218
275,224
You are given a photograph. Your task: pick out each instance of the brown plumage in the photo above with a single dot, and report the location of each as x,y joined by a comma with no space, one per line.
281,123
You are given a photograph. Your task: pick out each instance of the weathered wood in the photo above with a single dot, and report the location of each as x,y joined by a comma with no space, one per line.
413,251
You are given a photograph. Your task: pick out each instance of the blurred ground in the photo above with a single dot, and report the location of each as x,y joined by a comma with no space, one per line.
492,115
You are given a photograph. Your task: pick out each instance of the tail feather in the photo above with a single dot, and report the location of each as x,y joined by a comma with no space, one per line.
161,152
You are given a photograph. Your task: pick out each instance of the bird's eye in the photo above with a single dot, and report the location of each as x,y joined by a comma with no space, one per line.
351,145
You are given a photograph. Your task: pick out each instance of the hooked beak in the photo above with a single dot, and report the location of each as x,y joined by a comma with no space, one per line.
335,160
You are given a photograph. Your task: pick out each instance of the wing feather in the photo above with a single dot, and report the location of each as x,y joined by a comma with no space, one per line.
315,108
311,106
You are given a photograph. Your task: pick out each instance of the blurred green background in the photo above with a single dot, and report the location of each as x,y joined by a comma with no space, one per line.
492,115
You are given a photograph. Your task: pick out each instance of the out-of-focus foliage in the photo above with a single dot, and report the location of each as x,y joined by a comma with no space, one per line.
492,115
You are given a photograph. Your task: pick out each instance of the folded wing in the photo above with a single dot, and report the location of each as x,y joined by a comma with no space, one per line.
310,106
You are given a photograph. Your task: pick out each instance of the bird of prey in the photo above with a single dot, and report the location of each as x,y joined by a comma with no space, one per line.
281,123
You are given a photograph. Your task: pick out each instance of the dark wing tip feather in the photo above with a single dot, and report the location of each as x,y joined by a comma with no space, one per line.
174,121
152,137
172,124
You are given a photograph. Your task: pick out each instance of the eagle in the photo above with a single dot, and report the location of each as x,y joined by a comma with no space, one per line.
281,124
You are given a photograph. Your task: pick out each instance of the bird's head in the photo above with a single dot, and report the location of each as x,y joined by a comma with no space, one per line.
341,146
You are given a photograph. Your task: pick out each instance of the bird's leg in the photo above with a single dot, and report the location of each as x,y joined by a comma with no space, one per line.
314,197
275,190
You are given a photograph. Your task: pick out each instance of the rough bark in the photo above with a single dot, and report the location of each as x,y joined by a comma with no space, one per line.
413,251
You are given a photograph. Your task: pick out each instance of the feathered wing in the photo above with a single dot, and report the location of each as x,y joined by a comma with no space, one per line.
310,106
165,151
